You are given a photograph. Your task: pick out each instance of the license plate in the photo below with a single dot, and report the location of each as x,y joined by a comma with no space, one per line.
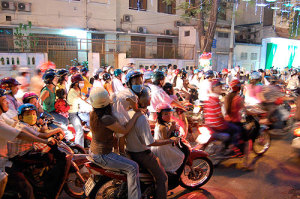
89,185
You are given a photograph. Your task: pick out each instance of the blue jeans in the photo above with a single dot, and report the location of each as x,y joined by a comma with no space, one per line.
131,168
85,117
76,122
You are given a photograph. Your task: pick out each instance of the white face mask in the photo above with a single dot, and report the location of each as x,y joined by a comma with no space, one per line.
81,85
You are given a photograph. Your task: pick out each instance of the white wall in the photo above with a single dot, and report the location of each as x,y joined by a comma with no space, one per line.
248,48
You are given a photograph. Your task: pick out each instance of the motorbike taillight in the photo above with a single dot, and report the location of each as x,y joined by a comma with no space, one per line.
297,132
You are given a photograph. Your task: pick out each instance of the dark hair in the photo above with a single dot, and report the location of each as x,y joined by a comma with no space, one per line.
160,120
175,67
60,93
228,101
168,88
100,112
61,79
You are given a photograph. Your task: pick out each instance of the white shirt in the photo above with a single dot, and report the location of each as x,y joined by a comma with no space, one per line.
204,90
117,85
139,136
158,96
7,133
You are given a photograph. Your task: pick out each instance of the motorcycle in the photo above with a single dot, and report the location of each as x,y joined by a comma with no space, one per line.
255,138
39,172
195,171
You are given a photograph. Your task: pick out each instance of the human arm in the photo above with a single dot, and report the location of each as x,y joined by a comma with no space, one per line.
49,133
27,134
165,141
44,96
118,128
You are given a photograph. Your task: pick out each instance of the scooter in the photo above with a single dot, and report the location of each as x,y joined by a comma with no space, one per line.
195,171
256,139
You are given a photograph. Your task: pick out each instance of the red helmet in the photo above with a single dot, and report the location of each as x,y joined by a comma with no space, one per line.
163,107
29,95
235,85
76,78
177,71
225,71
8,82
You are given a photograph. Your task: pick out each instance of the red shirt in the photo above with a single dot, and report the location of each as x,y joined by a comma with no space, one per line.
236,106
213,114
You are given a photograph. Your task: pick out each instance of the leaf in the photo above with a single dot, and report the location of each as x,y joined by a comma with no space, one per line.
29,24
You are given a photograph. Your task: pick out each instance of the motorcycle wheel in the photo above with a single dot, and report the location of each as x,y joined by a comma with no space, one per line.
74,186
262,143
201,172
106,189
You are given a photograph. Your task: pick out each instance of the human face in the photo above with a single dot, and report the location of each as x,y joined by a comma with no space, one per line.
4,104
166,116
14,90
137,80
55,80
34,101
29,117
218,90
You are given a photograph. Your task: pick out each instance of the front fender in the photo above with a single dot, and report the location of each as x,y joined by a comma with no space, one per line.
195,154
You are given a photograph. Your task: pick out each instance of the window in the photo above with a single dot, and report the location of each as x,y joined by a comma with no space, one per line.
186,33
138,47
6,39
165,48
244,56
138,4
8,18
253,56
223,35
166,8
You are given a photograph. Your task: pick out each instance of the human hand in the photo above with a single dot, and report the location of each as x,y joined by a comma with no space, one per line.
51,141
175,140
173,126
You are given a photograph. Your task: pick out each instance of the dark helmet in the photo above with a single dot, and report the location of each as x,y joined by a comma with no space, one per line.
48,77
73,69
84,70
157,76
8,82
3,92
209,74
132,74
50,70
29,95
106,76
62,72
76,78
26,107
117,72
184,74
168,87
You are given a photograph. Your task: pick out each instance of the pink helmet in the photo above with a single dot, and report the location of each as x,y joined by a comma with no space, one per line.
29,95
163,107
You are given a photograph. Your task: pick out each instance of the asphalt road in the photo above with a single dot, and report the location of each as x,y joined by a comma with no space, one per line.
276,175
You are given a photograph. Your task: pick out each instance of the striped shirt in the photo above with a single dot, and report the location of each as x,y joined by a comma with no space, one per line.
213,113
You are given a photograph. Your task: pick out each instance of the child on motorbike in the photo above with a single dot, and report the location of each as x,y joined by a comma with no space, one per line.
61,105
170,157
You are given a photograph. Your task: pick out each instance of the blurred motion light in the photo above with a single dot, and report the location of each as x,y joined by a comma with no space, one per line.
82,34
297,8
288,5
261,4
270,0
275,8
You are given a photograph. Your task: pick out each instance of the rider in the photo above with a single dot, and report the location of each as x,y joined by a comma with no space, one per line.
253,90
117,85
205,85
214,117
62,75
74,100
48,97
72,71
9,133
148,78
138,143
293,82
103,126
107,85
158,95
170,157
12,86
87,85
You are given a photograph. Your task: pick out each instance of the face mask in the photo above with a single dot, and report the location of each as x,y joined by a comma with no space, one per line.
81,85
137,88
30,119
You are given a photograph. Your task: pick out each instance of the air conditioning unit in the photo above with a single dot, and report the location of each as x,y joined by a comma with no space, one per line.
141,29
168,32
178,23
8,5
24,7
127,18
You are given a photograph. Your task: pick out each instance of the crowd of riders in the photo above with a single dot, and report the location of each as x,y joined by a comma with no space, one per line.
118,106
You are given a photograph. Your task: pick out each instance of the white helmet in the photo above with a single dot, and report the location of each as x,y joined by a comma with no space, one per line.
99,98
125,68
